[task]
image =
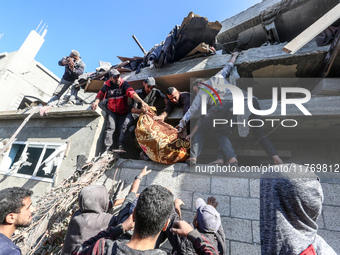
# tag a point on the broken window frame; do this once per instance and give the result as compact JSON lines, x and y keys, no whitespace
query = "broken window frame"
{"x":44,"y":146}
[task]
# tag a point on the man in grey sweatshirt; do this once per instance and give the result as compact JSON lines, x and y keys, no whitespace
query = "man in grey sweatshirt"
{"x":290,"y":204}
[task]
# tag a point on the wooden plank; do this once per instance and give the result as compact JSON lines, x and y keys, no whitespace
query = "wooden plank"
{"x":123,"y":59}
{"x":94,"y":85}
{"x":202,"y":47}
{"x":331,"y":55}
{"x":311,"y":32}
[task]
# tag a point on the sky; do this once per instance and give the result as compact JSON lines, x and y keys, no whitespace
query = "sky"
{"x":101,"y":30}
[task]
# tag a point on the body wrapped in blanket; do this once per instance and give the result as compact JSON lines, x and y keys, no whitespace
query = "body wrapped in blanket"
{"x":160,"y":141}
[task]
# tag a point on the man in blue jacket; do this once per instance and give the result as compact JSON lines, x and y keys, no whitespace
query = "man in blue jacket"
{"x":15,"y":211}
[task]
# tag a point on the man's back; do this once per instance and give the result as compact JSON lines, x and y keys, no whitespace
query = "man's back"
{"x":119,"y":247}
{"x":7,"y":247}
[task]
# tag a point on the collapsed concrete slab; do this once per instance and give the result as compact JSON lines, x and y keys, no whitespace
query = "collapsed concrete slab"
{"x":271,"y":20}
{"x":263,"y":62}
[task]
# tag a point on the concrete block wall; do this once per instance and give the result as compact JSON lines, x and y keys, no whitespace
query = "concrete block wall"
{"x":238,"y":198}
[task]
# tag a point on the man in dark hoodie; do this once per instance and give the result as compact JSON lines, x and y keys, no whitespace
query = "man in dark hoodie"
{"x":151,"y":215}
{"x":290,"y":204}
{"x":91,"y":218}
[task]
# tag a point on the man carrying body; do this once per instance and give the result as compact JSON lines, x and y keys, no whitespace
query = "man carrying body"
{"x":176,"y":99}
{"x":15,"y":211}
{"x":115,"y":92}
{"x":150,"y":95}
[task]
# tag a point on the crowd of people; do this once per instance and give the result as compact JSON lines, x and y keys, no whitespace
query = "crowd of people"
{"x":290,"y":205}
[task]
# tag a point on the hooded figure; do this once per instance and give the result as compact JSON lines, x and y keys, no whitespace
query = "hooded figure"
{"x":290,"y":204}
{"x":90,"y":219}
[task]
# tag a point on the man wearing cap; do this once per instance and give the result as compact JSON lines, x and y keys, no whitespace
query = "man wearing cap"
{"x":208,"y":223}
{"x":150,"y":94}
{"x":115,"y":92}
{"x":74,"y":67}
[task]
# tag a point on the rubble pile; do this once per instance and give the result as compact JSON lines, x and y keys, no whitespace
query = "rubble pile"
{"x":54,"y":209}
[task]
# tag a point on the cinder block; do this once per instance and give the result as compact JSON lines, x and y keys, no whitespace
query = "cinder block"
{"x":332,"y":238}
{"x":331,"y":193}
{"x":223,"y":202}
{"x":320,"y":222}
{"x":245,"y":208}
{"x":230,"y":186}
{"x":237,"y":248}
{"x":256,"y":232}
{"x":128,"y":175}
{"x":188,"y":216}
{"x":194,"y":182}
{"x":237,"y":229}
{"x":164,"y":178}
{"x":227,"y":245}
{"x":124,"y":191}
{"x":186,"y":197}
{"x":255,"y":188}
{"x":331,"y":217}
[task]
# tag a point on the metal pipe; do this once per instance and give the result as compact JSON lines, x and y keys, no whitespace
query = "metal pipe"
{"x":140,"y":46}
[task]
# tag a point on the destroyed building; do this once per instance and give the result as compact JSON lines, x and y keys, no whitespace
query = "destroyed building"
{"x":261,"y":32}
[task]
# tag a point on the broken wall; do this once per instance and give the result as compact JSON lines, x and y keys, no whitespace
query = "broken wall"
{"x":83,"y":135}
{"x":37,"y":81}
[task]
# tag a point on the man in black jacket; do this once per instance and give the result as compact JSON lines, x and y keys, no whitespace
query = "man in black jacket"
{"x":74,"y":67}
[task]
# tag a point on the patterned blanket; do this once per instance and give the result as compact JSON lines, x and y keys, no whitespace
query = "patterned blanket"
{"x":160,"y":141}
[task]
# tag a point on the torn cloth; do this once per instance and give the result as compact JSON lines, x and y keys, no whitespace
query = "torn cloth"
{"x":160,"y":141}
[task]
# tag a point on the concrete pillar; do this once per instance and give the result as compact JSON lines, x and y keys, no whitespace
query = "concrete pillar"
{"x":27,"y":52}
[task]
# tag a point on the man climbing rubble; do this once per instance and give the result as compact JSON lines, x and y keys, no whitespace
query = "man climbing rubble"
{"x":257,"y":132}
{"x":115,"y":93}
{"x":151,"y":95}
